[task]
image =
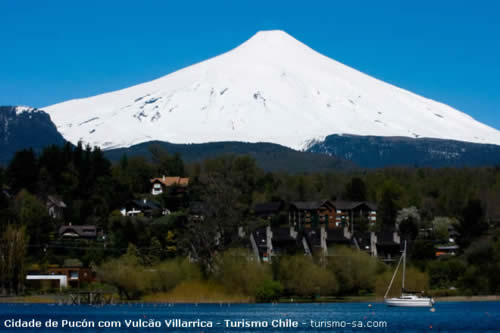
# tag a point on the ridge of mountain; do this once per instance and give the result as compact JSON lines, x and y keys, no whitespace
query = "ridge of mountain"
{"x":23,"y":127}
{"x":268,"y":156}
{"x":378,"y":152}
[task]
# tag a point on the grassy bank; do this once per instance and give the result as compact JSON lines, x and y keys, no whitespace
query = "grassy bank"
{"x":197,"y":292}
{"x":33,"y":299}
{"x":344,"y":299}
{"x":486,"y":298}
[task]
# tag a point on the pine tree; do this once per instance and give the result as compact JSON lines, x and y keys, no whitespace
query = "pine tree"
{"x":155,"y":253}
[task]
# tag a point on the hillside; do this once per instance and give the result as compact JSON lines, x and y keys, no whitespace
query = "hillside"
{"x":25,"y":127}
{"x":377,"y":152}
{"x":270,"y":157}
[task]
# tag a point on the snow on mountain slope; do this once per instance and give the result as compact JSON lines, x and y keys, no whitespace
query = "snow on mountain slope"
{"x":272,"y":88}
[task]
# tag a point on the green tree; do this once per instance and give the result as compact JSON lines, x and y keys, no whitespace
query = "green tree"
{"x":155,"y":251}
{"x":446,"y":273}
{"x":126,"y":273}
{"x":355,"y":190}
{"x":13,"y":245}
{"x":389,"y":204}
{"x":423,"y":249}
{"x":225,"y":184}
{"x":441,"y":228}
{"x":472,"y":223}
{"x":170,"y":273}
{"x":416,"y":280}
{"x":133,"y":175}
{"x":474,"y":282}
{"x":240,"y":272}
{"x":355,"y":270}
{"x":408,"y":222}
{"x":34,"y":215}
{"x":169,"y":165}
{"x":22,"y":171}
{"x":302,"y":277}
{"x":268,"y":291}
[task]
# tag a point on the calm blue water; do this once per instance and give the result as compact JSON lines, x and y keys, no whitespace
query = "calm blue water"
{"x":448,"y":317}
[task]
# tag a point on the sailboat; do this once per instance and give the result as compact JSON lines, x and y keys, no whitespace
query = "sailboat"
{"x":406,"y":299}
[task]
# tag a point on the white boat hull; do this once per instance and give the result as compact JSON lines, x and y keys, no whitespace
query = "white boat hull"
{"x":406,"y":299}
{"x":414,"y":302}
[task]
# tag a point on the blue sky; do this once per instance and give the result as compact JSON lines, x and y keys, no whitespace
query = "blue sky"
{"x":53,"y":51}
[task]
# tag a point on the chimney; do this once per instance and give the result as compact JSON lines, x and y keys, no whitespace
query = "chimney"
{"x":163,"y":177}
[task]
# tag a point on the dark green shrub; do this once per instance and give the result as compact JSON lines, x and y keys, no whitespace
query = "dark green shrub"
{"x":268,"y":291}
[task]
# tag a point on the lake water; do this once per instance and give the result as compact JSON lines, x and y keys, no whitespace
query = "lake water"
{"x":336,"y":317}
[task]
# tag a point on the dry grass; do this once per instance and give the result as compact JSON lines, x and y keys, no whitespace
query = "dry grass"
{"x":197,"y":292}
{"x":44,"y":299}
{"x":415,"y":280}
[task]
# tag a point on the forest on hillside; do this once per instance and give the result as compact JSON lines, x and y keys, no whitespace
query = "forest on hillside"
{"x":144,"y":256}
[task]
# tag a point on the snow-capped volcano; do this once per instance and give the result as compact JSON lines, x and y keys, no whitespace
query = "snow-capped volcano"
{"x":271,"y":88}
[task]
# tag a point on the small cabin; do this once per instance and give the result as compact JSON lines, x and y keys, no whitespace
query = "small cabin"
{"x":143,"y":207}
{"x":78,"y":231}
{"x":160,"y":185}
{"x":55,"y":206}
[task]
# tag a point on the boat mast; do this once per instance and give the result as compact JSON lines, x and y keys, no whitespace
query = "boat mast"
{"x":404,"y":268}
{"x":393,"y":276}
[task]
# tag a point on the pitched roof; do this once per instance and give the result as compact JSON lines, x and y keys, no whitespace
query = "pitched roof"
{"x":447,"y":247}
{"x":348,"y":205}
{"x":72,"y":262}
{"x":171,"y":181}
{"x":344,"y":204}
{"x":78,"y":231}
{"x":268,"y":207}
{"x":56,"y":201}
{"x":309,"y":205}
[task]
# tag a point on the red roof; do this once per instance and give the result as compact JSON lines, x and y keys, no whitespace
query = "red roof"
{"x":171,"y":181}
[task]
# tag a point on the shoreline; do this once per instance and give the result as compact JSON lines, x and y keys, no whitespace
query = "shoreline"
{"x":58,"y":299}
{"x":487,"y":298}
